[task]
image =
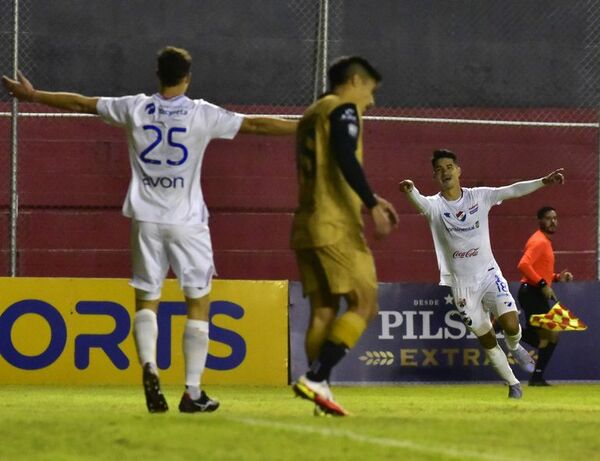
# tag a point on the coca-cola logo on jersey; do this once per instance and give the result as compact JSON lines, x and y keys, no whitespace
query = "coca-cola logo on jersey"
{"x":466,"y":254}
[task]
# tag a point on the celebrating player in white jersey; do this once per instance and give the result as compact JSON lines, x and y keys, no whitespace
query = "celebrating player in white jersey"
{"x":458,"y":218}
{"x":167,"y":135}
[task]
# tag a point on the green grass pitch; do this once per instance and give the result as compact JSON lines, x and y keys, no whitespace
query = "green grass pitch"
{"x":415,"y":422}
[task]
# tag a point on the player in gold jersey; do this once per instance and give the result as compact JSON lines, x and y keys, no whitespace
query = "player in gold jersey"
{"x":327,"y":233}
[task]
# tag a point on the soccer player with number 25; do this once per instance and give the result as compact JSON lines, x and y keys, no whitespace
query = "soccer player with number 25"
{"x":167,"y":134}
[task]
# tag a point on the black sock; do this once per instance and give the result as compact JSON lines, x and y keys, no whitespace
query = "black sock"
{"x":544,"y":355}
{"x":530,"y":336}
{"x":329,"y":356}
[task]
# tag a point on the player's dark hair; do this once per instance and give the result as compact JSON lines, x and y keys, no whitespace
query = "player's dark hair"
{"x":443,"y":153}
{"x":542,"y":211}
{"x":173,"y":65}
{"x":345,"y":67}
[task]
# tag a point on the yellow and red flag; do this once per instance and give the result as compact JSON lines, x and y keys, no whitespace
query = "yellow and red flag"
{"x":559,"y":318}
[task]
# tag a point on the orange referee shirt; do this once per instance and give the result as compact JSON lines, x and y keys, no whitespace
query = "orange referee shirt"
{"x":537,"y":261}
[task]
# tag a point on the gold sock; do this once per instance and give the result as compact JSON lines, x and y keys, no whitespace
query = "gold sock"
{"x":347,"y":329}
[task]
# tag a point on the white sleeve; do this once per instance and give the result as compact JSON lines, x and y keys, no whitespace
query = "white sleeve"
{"x":421,"y":203}
{"x":115,"y":110}
{"x":496,"y":195}
{"x":222,"y":123}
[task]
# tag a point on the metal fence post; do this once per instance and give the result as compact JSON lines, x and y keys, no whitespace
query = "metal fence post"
{"x":14,"y":197}
{"x":322,"y":49}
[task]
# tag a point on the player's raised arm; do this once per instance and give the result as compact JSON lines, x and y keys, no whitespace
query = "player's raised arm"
{"x":413,"y":195}
{"x":521,"y":188}
{"x":556,"y":177}
{"x":406,"y":185}
{"x":23,"y":90}
{"x":268,"y":126}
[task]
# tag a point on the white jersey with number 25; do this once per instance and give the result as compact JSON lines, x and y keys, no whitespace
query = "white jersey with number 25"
{"x":167,"y":139}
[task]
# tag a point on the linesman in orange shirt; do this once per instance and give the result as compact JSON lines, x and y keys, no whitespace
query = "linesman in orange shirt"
{"x":537,"y":275}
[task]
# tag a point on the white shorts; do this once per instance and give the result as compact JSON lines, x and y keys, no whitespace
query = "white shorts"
{"x":475,"y":304}
{"x":187,"y":249}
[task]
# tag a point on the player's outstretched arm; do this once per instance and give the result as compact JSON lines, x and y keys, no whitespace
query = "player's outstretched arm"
{"x":406,"y":186}
{"x":556,"y":177}
{"x":268,"y":126}
{"x":23,"y":90}
{"x":519,"y":189}
{"x":420,"y":203}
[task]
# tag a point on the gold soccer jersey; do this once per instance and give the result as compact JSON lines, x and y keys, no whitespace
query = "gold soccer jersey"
{"x":329,"y":209}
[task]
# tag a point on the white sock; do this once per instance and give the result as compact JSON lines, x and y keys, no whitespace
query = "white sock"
{"x":512,"y":342}
{"x":145,"y":331}
{"x":500,"y":363}
{"x":195,"y":351}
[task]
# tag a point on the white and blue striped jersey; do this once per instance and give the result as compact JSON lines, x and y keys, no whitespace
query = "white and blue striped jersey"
{"x":167,"y":139}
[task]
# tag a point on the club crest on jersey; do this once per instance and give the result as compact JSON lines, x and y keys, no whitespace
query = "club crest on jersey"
{"x":150,"y":108}
{"x":474,"y":209}
{"x":349,"y":114}
{"x":461,"y":216}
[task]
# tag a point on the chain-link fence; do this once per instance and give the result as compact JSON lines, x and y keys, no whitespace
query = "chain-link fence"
{"x":6,"y":61}
{"x":512,"y":86}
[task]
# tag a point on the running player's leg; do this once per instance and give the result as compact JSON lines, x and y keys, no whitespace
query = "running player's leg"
{"x":350,"y":273}
{"x":344,"y":269}
{"x":470,"y":307}
{"x":499,"y":362}
{"x":509,"y":322}
{"x":323,"y":311}
{"x":190,"y":255}
{"x":323,"y":306}
{"x":150,"y":267}
{"x":501,"y":304}
{"x":145,"y":328}
{"x":195,"y":352}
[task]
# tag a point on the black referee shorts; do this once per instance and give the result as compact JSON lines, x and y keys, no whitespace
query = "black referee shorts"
{"x":532,"y":301}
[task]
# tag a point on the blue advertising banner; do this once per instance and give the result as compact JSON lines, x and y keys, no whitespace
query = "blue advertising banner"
{"x":419,"y":337}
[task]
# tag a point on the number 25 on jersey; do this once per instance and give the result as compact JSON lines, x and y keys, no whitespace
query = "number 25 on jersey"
{"x":171,"y":133}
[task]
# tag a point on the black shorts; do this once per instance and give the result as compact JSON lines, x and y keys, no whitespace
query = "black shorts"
{"x":532,"y":301}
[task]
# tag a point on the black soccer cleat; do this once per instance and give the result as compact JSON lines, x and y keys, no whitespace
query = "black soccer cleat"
{"x":155,"y":400}
{"x":204,"y":404}
{"x":515,"y":391}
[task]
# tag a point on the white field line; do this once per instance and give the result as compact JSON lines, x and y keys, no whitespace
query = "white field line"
{"x":326,"y":432}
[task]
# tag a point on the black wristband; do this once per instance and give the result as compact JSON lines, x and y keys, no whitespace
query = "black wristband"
{"x":542,"y":283}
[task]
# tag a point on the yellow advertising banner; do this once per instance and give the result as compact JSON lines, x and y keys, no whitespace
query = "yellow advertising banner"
{"x":78,"y":331}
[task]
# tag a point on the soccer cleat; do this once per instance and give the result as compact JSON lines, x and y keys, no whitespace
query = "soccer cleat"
{"x":155,"y":400}
{"x":320,"y":394}
{"x":523,"y":359}
{"x":204,"y":404}
{"x":515,"y":391}
{"x":538,"y":382}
